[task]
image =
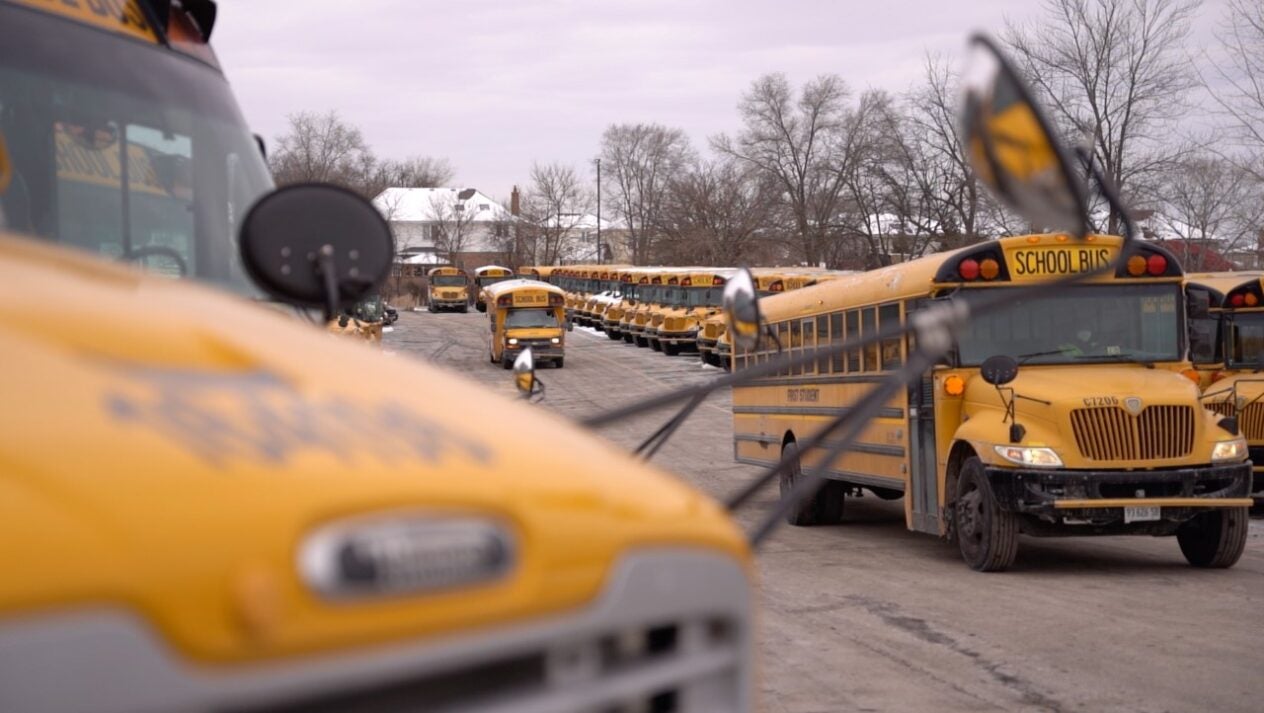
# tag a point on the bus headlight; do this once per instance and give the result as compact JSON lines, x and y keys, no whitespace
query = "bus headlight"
{"x":1025,"y":455}
{"x":556,"y":340}
{"x":1229,"y":450}
{"x":512,"y":341}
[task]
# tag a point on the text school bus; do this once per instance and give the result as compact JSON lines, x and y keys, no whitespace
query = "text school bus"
{"x":485,"y":277}
{"x":1088,"y":438}
{"x":449,"y":288}
{"x":241,"y":513}
{"x":524,"y":314}
{"x":1231,"y":353}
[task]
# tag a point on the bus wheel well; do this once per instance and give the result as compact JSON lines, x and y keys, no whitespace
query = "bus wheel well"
{"x":787,"y":439}
{"x":960,"y":453}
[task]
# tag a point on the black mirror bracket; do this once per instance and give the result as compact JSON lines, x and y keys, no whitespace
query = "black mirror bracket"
{"x":325,"y":265}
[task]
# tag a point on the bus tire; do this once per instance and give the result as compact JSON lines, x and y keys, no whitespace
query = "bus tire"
{"x":627,"y":337}
{"x":656,"y":345}
{"x":887,"y":493}
{"x":987,"y":536}
{"x":559,"y":362}
{"x":1214,"y":539}
{"x":642,"y":342}
{"x":505,"y":363}
{"x":430,"y":309}
{"x":825,"y":508}
{"x":464,"y":308}
{"x":481,"y":307}
{"x":614,"y":336}
{"x":671,"y":349}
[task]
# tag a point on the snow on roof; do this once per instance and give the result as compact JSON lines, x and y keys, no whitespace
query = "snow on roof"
{"x":584,"y":222}
{"x":421,"y":205}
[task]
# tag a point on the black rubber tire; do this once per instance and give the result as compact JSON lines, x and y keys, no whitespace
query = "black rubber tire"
{"x":481,"y":307}
{"x":656,"y":345}
{"x":671,"y":349}
{"x":465,"y":308}
{"x":886,"y":493}
{"x":559,"y":362}
{"x":987,"y":536}
{"x":642,"y":342}
{"x":826,"y":508}
{"x":505,"y":363}
{"x":1214,"y":539}
{"x":614,"y":336}
{"x":430,"y":309}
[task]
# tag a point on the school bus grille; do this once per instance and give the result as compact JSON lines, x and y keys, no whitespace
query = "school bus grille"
{"x":1224,"y":408}
{"x":1252,"y":425}
{"x":1111,"y":433}
{"x":712,"y":330}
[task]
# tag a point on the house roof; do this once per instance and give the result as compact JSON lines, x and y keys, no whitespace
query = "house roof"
{"x":422,"y":205}
{"x":1199,"y":255}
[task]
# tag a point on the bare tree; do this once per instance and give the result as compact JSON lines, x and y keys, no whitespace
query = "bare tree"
{"x":553,"y":210}
{"x":1116,"y":69}
{"x":718,"y":213}
{"x":801,"y":142}
{"x":326,"y":148}
{"x":1209,"y":201}
{"x":1240,"y":72}
{"x":320,"y":147}
{"x":642,"y":159}
{"x":451,"y":227}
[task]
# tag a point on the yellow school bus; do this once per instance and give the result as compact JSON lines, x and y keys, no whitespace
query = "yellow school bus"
{"x":522,"y":314}
{"x":715,"y":347}
{"x":662,"y":283}
{"x":640,"y":291}
{"x":1227,"y":345}
{"x":605,"y":293}
{"x":486,"y":276}
{"x":612,"y":318}
{"x":209,"y":504}
{"x":448,"y":289}
{"x":1089,"y":438}
{"x":698,"y":296}
{"x":364,"y":321}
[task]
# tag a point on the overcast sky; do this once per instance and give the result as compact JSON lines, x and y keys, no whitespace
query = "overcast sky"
{"x":493,"y":86}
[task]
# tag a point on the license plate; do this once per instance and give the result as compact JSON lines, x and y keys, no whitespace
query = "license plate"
{"x":1141,"y":514}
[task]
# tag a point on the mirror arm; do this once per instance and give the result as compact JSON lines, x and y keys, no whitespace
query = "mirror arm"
{"x":667,"y":430}
{"x":325,"y":263}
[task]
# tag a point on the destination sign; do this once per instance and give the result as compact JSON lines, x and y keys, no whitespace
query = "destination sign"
{"x":125,"y":16}
{"x":1060,"y":260}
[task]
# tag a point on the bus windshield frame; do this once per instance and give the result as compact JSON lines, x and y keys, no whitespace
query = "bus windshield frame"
{"x":82,"y":108}
{"x":1085,"y":324}
{"x":1236,"y":355}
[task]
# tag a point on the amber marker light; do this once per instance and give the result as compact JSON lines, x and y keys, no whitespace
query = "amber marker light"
{"x":954,"y":385}
{"x":1251,"y":300}
{"x":1191,"y":375}
{"x":989,"y":269}
{"x":1136,"y":266}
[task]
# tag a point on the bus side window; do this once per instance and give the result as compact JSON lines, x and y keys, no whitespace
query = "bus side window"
{"x":796,"y":345}
{"x":783,"y":333}
{"x":822,"y":339}
{"x":853,"y":332}
{"x":809,"y":342}
{"x":889,"y":319}
{"x":837,"y":337}
{"x":868,"y":326}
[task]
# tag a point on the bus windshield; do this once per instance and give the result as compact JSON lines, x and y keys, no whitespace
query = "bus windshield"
{"x":491,"y":280}
{"x":448,"y":280}
{"x":78,"y":129}
{"x":704,"y":296}
{"x":1246,"y":347}
{"x":531,"y":317}
{"x":1092,"y":323}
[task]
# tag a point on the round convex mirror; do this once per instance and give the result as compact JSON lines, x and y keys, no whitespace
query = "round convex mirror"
{"x":999,"y":370}
{"x":1012,"y":148}
{"x":741,"y":310}
{"x":524,"y":372}
{"x":289,"y":233}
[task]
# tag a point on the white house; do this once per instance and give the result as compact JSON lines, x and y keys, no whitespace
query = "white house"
{"x":443,"y":225}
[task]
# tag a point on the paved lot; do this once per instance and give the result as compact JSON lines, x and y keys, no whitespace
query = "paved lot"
{"x":867,"y":616}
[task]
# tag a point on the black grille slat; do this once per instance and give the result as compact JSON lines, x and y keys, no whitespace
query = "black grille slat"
{"x":1109,"y":433}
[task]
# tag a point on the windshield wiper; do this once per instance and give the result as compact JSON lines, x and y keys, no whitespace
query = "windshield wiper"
{"x":1022,"y":358}
{"x":1129,"y":358}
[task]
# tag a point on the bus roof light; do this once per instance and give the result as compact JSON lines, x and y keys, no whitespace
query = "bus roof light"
{"x":1237,"y":300}
{"x":989,"y":269}
{"x":1156,"y":265}
{"x":1137,"y":265}
{"x":1251,"y":300}
{"x":968,"y":269}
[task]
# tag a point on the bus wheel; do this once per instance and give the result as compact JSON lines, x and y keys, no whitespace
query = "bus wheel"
{"x":614,"y":335}
{"x":430,"y":309}
{"x":671,"y":349}
{"x":986,"y":535}
{"x":826,"y":508}
{"x":1214,"y":539}
{"x":505,"y":362}
{"x":558,"y":362}
{"x":642,"y":342}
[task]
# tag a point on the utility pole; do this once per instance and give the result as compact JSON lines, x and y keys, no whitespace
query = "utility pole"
{"x":599,"y":261}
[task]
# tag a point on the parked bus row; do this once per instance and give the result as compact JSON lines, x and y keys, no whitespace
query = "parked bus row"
{"x":672,"y":310}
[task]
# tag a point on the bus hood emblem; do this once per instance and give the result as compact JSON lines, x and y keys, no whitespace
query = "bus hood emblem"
{"x":403,"y":555}
{"x":1133,"y":405}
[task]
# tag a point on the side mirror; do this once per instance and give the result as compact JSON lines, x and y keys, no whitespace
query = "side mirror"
{"x":1198,"y":303}
{"x":316,"y":245}
{"x":999,"y":370}
{"x":524,"y":373}
{"x":741,"y":310}
{"x":1011,"y":147}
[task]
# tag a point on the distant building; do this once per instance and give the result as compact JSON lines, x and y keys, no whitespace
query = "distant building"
{"x":444,"y":226}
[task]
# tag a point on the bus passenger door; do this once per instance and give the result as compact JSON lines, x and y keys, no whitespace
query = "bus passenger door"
{"x":922,"y":493}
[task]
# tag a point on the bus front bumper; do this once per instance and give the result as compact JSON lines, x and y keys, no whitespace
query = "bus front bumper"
{"x":612,"y":326}
{"x":538,"y":351}
{"x":685,"y":338}
{"x":449,"y":301}
{"x":1100,"y":497}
